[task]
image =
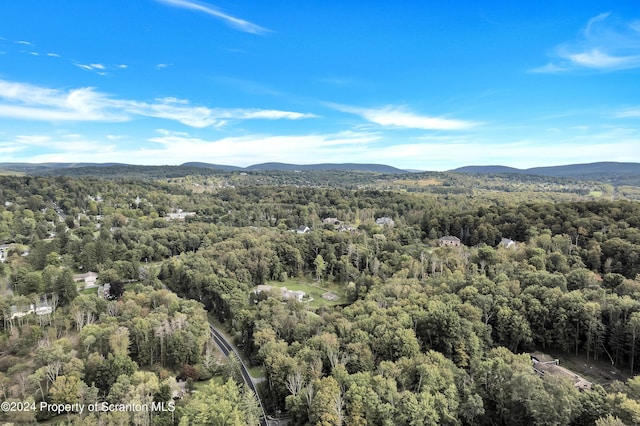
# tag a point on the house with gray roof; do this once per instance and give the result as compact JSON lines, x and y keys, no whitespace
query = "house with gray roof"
{"x":449,"y":241}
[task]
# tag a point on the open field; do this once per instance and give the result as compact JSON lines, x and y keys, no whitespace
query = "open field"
{"x":599,"y":372}
{"x":417,"y":182}
{"x":313,"y":290}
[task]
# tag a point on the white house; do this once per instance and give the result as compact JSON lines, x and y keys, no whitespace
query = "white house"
{"x":4,"y":252}
{"x":508,"y":243}
{"x":449,"y":241}
{"x":179,"y":215}
{"x":385,"y":221}
{"x":103,"y":291}
{"x":42,"y":308}
{"x":284,"y":292}
{"x":88,"y":278}
{"x":302,"y":229}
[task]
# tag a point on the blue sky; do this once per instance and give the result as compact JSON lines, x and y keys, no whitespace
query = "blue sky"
{"x":413,"y":84}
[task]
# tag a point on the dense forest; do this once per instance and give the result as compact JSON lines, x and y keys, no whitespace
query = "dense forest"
{"x":423,"y":330}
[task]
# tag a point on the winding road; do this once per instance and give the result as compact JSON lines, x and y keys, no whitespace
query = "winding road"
{"x":228,"y":349}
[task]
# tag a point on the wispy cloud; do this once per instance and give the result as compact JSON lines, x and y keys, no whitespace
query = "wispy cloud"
{"x":8,"y":148}
{"x":98,"y":68}
{"x":428,"y":153}
{"x":237,"y":23}
{"x":267,"y":114}
{"x":62,"y":145}
{"x":29,"y":102}
{"x":251,"y":149}
{"x":629,"y":113}
{"x":170,"y":147}
{"x":605,"y":44}
{"x":199,"y":116}
{"x":398,"y":117}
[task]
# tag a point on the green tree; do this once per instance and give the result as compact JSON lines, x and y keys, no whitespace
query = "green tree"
{"x":320,"y":266}
{"x":234,"y":406}
{"x":327,"y":405}
{"x":65,"y":288}
{"x":67,"y":390}
{"x":634,"y":330}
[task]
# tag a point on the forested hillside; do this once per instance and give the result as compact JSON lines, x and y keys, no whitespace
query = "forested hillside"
{"x":397,"y":325}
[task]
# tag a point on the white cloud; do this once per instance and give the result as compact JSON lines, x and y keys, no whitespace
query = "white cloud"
{"x":38,"y":140}
{"x":597,"y":59}
{"x":429,"y":152}
{"x":629,"y":113}
{"x":198,"y":116}
{"x":397,"y":117}
{"x":337,"y":147}
{"x":170,"y":147}
{"x":115,"y":137}
{"x":64,"y":144}
{"x":605,"y":44}
{"x":98,"y":68}
{"x":29,"y":102}
{"x":8,"y":148}
{"x":523,"y":153}
{"x":237,"y":23}
{"x":266,"y":114}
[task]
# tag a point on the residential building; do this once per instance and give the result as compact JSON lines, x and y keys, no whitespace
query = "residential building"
{"x":284,"y":292}
{"x":449,"y":241}
{"x":88,"y":278}
{"x":179,"y":215}
{"x":103,"y":291}
{"x":303,"y":229}
{"x":385,"y":221}
{"x":41,"y":308}
{"x":544,"y":364}
{"x":508,"y":244}
{"x":4,"y":252}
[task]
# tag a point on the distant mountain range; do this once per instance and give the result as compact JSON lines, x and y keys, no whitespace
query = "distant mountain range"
{"x":30,"y":168}
{"x":40,"y":167}
{"x":378,"y":168}
{"x":572,"y":170}
{"x":601,"y":170}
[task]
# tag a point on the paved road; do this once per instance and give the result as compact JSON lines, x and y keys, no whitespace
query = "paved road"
{"x":58,"y":210}
{"x":227,"y":349}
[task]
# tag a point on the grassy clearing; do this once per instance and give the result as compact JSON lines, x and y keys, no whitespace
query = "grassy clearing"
{"x":417,"y":182}
{"x":257,"y":372}
{"x":313,"y":290}
{"x":600,"y":372}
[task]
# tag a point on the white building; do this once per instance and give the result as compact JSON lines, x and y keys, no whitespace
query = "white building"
{"x":284,"y":292}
